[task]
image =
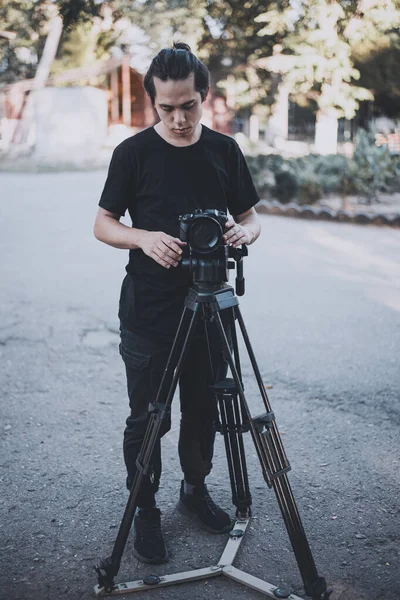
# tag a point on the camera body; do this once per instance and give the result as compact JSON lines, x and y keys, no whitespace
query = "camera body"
{"x":206,"y":254}
{"x":203,"y":230}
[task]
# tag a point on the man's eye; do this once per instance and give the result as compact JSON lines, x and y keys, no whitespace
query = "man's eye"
{"x":188,"y":107}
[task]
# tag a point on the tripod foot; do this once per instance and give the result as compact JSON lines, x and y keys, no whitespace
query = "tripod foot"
{"x":106,"y":572}
{"x":282,"y":593}
{"x":317,"y":589}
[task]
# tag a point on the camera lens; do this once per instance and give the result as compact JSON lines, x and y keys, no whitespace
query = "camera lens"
{"x":204,"y":235}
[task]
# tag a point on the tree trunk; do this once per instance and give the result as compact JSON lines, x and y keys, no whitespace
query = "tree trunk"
{"x":326,"y":132}
{"x":49,"y":52}
{"x":278,"y":122}
{"x":345,"y":202}
{"x":25,"y":132}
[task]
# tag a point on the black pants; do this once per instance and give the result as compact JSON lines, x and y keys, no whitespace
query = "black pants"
{"x":145,"y":362}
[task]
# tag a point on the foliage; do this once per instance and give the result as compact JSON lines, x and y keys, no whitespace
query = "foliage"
{"x":232,"y":43}
{"x":28,"y":20}
{"x":333,"y":52}
{"x":379,"y":64}
{"x":375,"y":167}
{"x":375,"y":50}
{"x":74,"y":12}
{"x":165,"y":21}
{"x":286,"y":186}
{"x":91,"y":29}
{"x":315,"y":55}
{"x":371,"y":171}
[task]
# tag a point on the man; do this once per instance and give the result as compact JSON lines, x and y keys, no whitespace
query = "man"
{"x":165,"y":171}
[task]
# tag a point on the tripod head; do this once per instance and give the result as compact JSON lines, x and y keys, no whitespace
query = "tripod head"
{"x":206,"y":255}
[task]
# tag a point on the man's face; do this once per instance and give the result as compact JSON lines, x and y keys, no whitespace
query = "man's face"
{"x":178,"y":105}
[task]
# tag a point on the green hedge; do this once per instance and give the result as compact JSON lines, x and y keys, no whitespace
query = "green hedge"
{"x":306,"y":179}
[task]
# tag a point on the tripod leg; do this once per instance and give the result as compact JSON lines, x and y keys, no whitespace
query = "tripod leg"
{"x":275,"y":466}
{"x":232,"y":431}
{"x":109,"y":567}
{"x":231,"y":425}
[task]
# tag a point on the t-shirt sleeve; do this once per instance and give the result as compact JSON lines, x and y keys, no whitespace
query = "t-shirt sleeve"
{"x":242,"y":193}
{"x":119,"y":191}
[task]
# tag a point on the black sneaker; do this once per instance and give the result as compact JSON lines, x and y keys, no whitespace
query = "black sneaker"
{"x":149,"y":546}
{"x":200,"y":507}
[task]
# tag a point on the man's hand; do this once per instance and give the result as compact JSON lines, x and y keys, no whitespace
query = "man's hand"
{"x":236,"y":234}
{"x":161,"y":247}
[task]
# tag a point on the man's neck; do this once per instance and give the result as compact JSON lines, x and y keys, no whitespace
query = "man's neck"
{"x":176,"y":141}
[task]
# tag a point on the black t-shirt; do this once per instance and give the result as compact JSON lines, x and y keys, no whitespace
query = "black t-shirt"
{"x":157,"y":182}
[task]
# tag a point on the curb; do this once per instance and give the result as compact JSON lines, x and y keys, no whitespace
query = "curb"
{"x":306,"y":211}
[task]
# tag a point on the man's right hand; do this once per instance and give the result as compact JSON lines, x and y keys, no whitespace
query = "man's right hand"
{"x":161,"y":247}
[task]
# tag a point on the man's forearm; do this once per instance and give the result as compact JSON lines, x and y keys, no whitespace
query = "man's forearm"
{"x":116,"y":234}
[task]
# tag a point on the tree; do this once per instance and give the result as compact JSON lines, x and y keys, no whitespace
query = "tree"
{"x":232,"y":45}
{"x":88,"y":31}
{"x":28,"y":20}
{"x":320,"y":37}
{"x":376,"y":53}
{"x":379,"y":65}
{"x":319,"y":67}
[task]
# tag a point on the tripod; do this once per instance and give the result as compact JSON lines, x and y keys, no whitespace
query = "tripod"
{"x":207,"y":301}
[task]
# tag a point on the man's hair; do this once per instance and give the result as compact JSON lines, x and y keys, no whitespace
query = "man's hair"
{"x":177,"y":63}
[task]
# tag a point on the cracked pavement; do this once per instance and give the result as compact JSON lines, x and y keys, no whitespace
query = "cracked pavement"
{"x":322,"y":309}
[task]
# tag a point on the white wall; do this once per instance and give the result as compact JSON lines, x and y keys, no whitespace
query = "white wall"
{"x":71,"y":125}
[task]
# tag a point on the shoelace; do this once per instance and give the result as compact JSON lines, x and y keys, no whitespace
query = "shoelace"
{"x":152,"y":527}
{"x":210,"y":502}
{"x":152,"y":537}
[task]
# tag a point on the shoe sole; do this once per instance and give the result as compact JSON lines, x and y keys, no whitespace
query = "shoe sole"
{"x":196,"y":519}
{"x":150,"y":561}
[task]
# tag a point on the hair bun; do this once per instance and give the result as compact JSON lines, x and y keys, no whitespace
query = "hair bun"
{"x":181,"y":46}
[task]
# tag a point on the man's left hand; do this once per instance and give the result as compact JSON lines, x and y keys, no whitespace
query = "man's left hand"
{"x":236,"y":234}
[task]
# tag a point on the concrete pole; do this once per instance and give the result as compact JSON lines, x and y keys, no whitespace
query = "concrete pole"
{"x":114,"y":97}
{"x":278,"y":122}
{"x":126,"y":91}
{"x":326,"y":132}
{"x":231,"y":92}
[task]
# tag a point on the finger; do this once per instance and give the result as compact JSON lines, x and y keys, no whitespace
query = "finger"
{"x":164,"y":259}
{"x":229,"y":233}
{"x":234,"y":240}
{"x":172,"y":249}
{"x":161,"y":262}
{"x":178,"y":241}
{"x":229,"y":224}
{"x":233,"y":234}
{"x":168,"y":239}
{"x":174,"y":243}
{"x":159,"y":258}
{"x":240,"y":241}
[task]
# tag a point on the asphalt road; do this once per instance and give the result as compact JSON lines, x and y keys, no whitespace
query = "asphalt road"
{"x":323,"y":312}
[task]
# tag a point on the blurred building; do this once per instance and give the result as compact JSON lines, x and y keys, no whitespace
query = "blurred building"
{"x":66,"y":117}
{"x":124,"y":99}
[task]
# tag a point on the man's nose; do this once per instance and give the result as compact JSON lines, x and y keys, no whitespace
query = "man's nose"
{"x":179,"y":116}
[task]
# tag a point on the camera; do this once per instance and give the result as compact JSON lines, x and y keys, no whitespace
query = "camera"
{"x":206,"y":254}
{"x":203,"y":230}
